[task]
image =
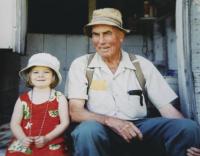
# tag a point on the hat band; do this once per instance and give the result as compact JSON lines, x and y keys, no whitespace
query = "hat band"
{"x":108,"y":19}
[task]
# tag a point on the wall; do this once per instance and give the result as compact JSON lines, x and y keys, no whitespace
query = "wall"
{"x":13,"y":16}
{"x":6,"y":16}
{"x":195,"y":54}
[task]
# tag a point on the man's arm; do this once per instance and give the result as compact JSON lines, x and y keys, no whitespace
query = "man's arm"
{"x":78,"y":113}
{"x":169,"y":111}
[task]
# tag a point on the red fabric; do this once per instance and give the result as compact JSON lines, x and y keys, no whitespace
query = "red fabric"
{"x":50,"y":123}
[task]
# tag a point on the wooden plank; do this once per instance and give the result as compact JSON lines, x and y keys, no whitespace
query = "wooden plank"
{"x":91,"y":7}
{"x":77,"y":45}
{"x":195,"y":65}
{"x":187,"y":97}
{"x":160,"y":51}
{"x":171,"y":45}
{"x":34,"y":43}
{"x":56,"y":45}
{"x":195,"y":49}
{"x":195,"y":40}
{"x":134,"y":44}
{"x":196,"y":74}
{"x":195,"y":11}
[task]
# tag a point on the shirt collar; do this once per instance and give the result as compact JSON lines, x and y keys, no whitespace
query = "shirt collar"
{"x":125,"y":62}
{"x":96,"y":61}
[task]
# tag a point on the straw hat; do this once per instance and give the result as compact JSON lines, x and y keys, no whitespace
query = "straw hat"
{"x":42,"y":59}
{"x":107,"y":16}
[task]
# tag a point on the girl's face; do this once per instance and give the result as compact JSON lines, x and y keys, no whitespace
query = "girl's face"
{"x":41,"y":77}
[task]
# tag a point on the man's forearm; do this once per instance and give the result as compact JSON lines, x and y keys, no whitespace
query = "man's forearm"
{"x":84,"y":115}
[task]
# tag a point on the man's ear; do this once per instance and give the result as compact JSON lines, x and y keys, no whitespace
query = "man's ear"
{"x":122,"y":35}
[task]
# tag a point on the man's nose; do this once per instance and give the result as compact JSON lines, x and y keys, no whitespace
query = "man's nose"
{"x":101,"y":39}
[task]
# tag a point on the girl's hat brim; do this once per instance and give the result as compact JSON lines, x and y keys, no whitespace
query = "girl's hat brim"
{"x":42,"y":59}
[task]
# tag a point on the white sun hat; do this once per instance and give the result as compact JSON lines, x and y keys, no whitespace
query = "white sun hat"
{"x":107,"y":16}
{"x":42,"y":59}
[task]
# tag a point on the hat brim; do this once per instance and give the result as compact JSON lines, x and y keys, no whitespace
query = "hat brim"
{"x":23,"y":72}
{"x":88,"y":28}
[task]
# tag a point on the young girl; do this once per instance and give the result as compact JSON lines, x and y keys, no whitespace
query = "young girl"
{"x":40,"y":115}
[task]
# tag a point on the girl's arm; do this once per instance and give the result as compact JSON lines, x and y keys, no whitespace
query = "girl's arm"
{"x":64,"y":118}
{"x":40,"y":141}
{"x":15,"y":124}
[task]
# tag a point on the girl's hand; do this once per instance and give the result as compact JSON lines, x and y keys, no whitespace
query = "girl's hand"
{"x":40,"y":141}
{"x":27,"y":141}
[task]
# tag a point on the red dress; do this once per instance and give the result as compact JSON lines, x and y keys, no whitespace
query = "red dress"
{"x":32,"y":126}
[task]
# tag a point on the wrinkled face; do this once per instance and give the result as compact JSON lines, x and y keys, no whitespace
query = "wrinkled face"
{"x":107,"y":40}
{"x":41,"y":77}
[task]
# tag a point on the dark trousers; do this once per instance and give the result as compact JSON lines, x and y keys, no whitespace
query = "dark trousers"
{"x":161,"y":136}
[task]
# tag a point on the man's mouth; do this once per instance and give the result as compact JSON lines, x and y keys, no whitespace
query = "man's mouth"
{"x":104,"y":49}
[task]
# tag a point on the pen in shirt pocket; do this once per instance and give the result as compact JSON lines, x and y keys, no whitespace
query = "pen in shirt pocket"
{"x":138,"y":93}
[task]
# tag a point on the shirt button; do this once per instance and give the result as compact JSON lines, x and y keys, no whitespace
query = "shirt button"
{"x":115,"y":94}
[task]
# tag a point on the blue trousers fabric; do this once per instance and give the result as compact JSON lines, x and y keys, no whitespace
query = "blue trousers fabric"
{"x":172,"y":136}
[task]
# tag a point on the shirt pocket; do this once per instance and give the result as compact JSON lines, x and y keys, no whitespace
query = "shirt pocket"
{"x":133,"y":108}
{"x":99,"y":85}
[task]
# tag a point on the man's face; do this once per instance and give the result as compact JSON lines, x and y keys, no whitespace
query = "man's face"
{"x":107,"y":40}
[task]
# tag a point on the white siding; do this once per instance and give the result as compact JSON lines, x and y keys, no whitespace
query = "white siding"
{"x":195,"y":52}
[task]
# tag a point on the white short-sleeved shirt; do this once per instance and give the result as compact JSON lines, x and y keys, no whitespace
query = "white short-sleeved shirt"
{"x":108,"y":93}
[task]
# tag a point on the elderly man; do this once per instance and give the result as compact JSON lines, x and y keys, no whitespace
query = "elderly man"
{"x":112,"y":110}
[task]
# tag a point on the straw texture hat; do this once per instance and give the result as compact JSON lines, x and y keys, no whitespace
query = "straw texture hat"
{"x":107,"y":16}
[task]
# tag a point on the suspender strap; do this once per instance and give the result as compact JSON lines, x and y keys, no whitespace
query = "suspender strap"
{"x":89,"y":71}
{"x":138,"y":71}
{"x":140,"y":76}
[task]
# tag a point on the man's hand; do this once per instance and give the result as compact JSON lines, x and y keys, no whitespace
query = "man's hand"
{"x":193,"y":151}
{"x":125,"y":129}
